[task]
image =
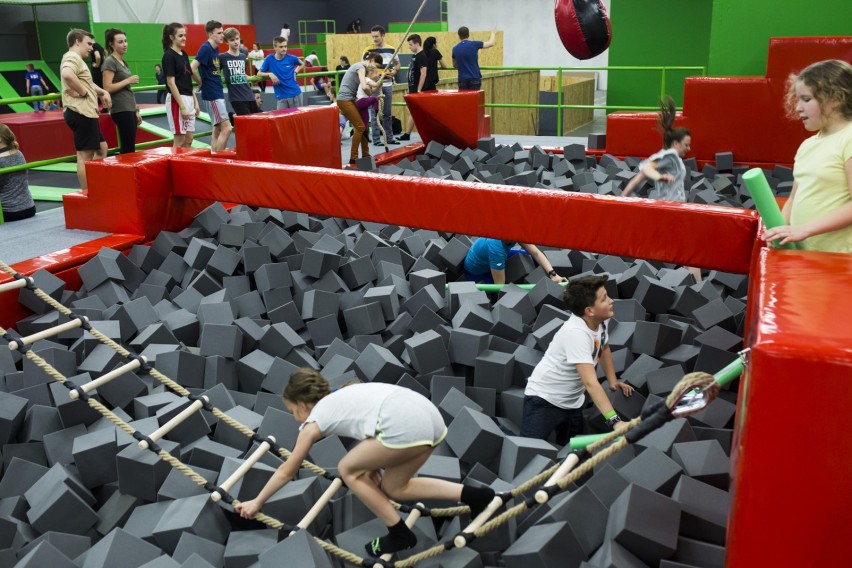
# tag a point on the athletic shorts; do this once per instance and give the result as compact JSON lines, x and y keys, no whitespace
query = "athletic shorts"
{"x":87,"y":131}
{"x":218,"y":112}
{"x":244,"y":107}
{"x":179,"y":124}
{"x":407,"y":419}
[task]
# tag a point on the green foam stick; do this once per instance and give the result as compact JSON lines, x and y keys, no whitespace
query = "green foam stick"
{"x":765,"y":202}
{"x":730,"y":372}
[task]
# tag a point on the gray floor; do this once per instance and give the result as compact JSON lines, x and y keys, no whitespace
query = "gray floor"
{"x":43,"y":234}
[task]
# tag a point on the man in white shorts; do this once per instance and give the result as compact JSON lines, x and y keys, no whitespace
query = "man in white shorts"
{"x":207,"y":63}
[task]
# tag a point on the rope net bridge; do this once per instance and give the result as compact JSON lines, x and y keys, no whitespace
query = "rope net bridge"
{"x":692,"y":394}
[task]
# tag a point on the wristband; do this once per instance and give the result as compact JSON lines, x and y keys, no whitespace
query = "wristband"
{"x":552,"y":273}
{"x":656,"y":176}
{"x":611,"y":422}
{"x":609,"y":414}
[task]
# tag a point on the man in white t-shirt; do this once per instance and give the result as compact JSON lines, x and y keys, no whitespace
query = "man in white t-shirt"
{"x":556,"y":390}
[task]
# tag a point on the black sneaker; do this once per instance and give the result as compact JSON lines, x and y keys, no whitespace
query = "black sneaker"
{"x":393,"y":141}
{"x":405,"y":136}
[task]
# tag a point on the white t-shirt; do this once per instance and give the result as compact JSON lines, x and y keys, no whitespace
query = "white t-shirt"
{"x":312,"y":60}
{"x":555,"y":378}
{"x":285,"y":33}
{"x":352,"y":411}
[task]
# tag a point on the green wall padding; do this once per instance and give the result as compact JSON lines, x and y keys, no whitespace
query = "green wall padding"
{"x":418,"y":28}
{"x":656,"y":32}
{"x":741,"y":29}
{"x":52,"y":42}
{"x":144,"y":47}
{"x":321,"y":53}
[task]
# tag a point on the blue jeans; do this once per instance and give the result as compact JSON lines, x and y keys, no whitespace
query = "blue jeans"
{"x":470,"y":84}
{"x":541,"y":418}
{"x":387,"y":93}
{"x":36,"y":91}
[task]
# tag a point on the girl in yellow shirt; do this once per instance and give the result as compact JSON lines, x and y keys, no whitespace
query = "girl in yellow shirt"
{"x":819,"y":211}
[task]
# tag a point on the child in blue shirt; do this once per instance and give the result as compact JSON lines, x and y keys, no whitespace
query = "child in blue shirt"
{"x":281,"y":68}
{"x":35,"y":82}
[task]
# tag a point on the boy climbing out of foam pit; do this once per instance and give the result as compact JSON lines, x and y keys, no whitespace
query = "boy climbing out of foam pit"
{"x":486,"y":260}
{"x":556,"y":390}
{"x":397,"y":430}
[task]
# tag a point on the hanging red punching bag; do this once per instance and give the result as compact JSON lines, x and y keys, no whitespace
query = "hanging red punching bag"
{"x":583,"y":27}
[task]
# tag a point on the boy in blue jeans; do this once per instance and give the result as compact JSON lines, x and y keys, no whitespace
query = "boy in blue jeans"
{"x":281,"y":68}
{"x":35,"y":82}
{"x":556,"y":390}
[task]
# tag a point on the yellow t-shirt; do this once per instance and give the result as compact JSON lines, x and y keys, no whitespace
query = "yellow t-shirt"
{"x":822,"y":187}
{"x":88,"y":105}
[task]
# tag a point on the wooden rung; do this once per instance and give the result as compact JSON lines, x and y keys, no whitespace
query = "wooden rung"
{"x":44,"y":334}
{"x":171,"y":424}
{"x":244,"y":468}
{"x":14,"y":285}
{"x":460,"y":541}
{"x":104,"y":379}
{"x":319,"y":505}
{"x":410,"y":521}
{"x":568,"y":464}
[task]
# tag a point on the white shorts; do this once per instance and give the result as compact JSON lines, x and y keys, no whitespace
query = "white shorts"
{"x":179,"y":124}
{"x":218,"y":112}
{"x":407,"y":419}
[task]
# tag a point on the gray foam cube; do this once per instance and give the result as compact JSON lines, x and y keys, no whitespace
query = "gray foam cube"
{"x":475,"y":438}
{"x":654,"y":470}
{"x":427,"y":352}
{"x":302,"y":546}
{"x":245,"y":547}
{"x":645,"y":523}
{"x":141,"y":472}
{"x":43,"y":554}
{"x":493,"y":369}
{"x":223,"y":340}
{"x":544,"y":546}
{"x":691,"y":552}
{"x":118,"y":548}
{"x":377,"y":363}
{"x":705,"y":461}
{"x":517,"y":453}
{"x":364,"y":319}
{"x":115,"y":512}
{"x":95,"y":456}
{"x":191,"y":545}
{"x":197,"y":515}
{"x":704,"y":510}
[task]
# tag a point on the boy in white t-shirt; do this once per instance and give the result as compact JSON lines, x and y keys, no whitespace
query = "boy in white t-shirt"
{"x":555,"y":393}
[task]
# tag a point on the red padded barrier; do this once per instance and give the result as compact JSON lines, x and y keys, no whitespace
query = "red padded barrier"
{"x":305,"y":136}
{"x":44,"y":135}
{"x":450,"y":117}
{"x":139,"y":186}
{"x":743,"y":115}
{"x":62,"y":263}
{"x":792,"y":461}
{"x":611,"y":225}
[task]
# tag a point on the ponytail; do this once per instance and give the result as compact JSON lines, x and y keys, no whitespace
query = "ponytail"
{"x":666,"y":121}
{"x":7,"y":137}
{"x":168,"y":31}
{"x":109,"y":38}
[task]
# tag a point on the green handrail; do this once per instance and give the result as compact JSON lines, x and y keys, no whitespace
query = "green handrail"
{"x":111,"y":152}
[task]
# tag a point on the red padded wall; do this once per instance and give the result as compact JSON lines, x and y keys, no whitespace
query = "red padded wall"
{"x":612,"y":225}
{"x":743,"y":115}
{"x":792,"y":459}
{"x":306,"y":136}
